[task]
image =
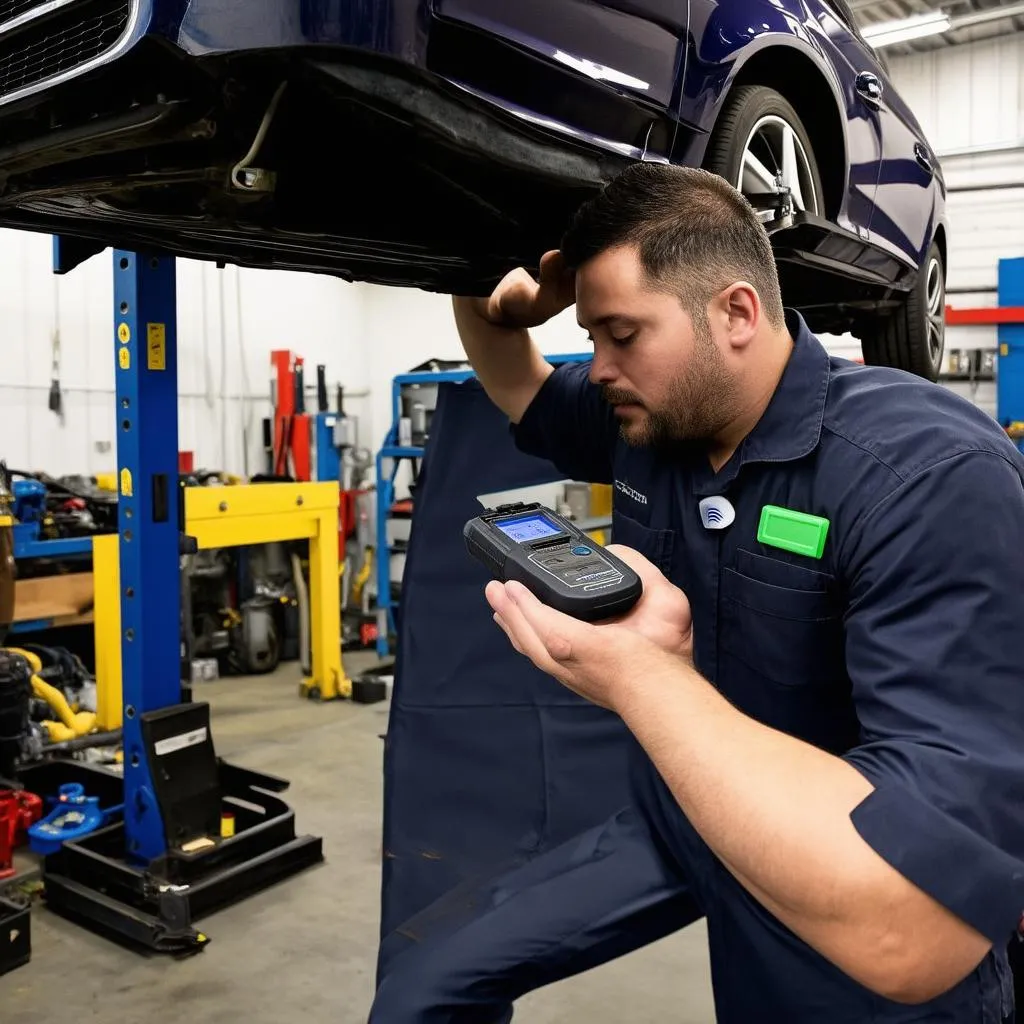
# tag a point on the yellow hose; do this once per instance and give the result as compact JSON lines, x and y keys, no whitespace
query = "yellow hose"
{"x":71,"y":725}
{"x":356,"y":594}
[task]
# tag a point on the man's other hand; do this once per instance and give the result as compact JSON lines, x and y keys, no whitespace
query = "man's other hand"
{"x":520,"y":302}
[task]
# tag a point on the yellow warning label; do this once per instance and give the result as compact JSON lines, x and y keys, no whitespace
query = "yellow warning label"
{"x":124,"y":358}
{"x":1004,"y":350}
{"x":126,"y":483}
{"x":124,"y":334}
{"x":156,"y":347}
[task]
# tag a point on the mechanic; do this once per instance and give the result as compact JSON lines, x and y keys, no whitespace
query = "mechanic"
{"x":830,"y":737}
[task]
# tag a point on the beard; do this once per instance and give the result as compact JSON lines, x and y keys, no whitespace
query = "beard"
{"x":700,"y":403}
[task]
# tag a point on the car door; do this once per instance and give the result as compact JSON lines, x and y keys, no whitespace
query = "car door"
{"x":634,"y":47}
{"x":901,"y":215}
{"x":833,"y":23}
{"x":904,"y":214}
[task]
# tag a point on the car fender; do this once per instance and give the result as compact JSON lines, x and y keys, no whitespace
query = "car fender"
{"x":725,"y":42}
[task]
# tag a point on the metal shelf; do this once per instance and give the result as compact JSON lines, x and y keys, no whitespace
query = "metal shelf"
{"x":63,"y":547}
{"x":389,"y":458}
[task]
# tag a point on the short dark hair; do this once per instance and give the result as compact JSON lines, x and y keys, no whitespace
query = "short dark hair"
{"x":695,"y":234}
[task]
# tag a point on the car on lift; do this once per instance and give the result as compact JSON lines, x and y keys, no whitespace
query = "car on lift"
{"x":438,"y":143}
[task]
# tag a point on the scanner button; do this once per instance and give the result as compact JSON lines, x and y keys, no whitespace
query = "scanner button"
{"x":580,"y":549}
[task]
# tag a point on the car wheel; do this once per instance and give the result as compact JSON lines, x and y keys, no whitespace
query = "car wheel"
{"x":759,"y":145}
{"x":913,"y":337}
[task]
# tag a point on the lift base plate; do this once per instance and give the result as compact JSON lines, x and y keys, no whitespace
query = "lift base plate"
{"x":153,"y":908}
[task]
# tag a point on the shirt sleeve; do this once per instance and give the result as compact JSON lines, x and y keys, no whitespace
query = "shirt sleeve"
{"x":569,"y":424}
{"x":935,"y":650}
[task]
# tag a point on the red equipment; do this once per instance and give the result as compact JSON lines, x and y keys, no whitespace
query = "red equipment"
{"x":291,"y":423}
{"x":18,"y":810}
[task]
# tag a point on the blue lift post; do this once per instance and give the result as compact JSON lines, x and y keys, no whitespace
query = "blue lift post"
{"x":147,"y":877}
{"x":148,"y":518}
{"x":1010,"y":374}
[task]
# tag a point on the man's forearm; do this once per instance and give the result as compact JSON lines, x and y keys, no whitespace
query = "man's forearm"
{"x":507,"y":363}
{"x":776,"y":811}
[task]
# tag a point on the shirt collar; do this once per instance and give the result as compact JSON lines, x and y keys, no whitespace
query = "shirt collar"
{"x":790,"y":427}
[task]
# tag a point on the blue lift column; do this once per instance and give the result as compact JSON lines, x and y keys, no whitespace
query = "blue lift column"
{"x":1010,"y":374}
{"x":148,"y":875}
{"x":150,"y":530}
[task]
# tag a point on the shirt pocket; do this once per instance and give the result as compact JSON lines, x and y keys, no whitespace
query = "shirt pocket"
{"x":655,"y":545}
{"x":780,"y":621}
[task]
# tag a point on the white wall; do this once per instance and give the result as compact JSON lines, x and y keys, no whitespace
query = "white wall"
{"x":364,"y":334}
{"x":972,"y":97}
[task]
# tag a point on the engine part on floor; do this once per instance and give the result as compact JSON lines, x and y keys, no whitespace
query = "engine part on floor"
{"x":18,"y":812}
{"x":15,"y":936}
{"x":74,"y":816}
{"x":15,"y":692}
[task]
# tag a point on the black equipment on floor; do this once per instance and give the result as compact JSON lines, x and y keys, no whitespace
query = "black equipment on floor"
{"x":15,"y":694}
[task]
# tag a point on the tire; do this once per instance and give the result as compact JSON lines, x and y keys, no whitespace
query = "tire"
{"x":913,"y":337}
{"x":747,"y":108}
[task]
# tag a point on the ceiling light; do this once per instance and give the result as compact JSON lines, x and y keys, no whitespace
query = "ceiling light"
{"x":887,"y":33}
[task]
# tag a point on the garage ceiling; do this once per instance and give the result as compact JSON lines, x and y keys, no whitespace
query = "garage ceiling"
{"x":873,"y":12}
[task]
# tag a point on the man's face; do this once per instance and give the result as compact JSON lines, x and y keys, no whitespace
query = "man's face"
{"x":664,"y":374}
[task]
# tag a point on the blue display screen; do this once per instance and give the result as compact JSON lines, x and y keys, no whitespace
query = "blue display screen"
{"x":528,"y":528}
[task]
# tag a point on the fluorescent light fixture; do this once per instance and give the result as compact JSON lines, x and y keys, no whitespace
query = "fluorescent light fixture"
{"x":888,"y":33}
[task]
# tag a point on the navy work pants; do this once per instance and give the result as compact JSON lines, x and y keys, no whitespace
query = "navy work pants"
{"x":610,"y":891}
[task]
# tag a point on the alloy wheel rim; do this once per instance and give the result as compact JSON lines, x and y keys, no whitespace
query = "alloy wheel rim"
{"x":936,"y":313}
{"x":773,"y":150}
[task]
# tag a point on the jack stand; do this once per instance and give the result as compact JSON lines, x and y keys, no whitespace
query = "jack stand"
{"x":196,"y":833}
{"x":784,"y":207}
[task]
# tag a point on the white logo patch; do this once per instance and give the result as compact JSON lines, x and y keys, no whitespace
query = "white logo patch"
{"x":716,"y":512}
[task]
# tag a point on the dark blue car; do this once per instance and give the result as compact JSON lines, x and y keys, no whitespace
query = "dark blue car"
{"x":438,"y":143}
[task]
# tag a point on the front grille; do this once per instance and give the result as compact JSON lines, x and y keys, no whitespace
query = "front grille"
{"x":10,"y":9}
{"x":59,"y":42}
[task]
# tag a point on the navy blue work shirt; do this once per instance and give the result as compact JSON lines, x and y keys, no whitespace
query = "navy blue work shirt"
{"x":900,"y":649}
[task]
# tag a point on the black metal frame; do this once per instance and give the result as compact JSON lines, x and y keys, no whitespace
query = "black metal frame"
{"x":154,"y":908}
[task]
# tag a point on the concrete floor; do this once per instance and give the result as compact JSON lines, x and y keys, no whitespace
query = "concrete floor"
{"x":306,"y":948}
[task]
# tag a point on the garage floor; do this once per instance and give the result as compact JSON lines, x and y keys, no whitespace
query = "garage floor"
{"x":306,"y":949}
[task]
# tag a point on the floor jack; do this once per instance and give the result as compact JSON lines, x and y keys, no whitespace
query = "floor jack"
{"x":170,"y":858}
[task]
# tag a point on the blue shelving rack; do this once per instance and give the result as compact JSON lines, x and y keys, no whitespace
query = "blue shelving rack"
{"x":389,"y":459}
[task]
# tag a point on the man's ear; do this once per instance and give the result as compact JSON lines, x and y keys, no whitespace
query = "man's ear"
{"x":739,"y":312}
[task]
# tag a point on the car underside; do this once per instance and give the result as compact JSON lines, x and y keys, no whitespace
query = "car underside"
{"x":341,"y":162}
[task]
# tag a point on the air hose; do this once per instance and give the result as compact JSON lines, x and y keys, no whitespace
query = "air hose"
{"x":71,"y":725}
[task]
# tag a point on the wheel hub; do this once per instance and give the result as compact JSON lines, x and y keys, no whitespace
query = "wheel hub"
{"x":774,"y":158}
